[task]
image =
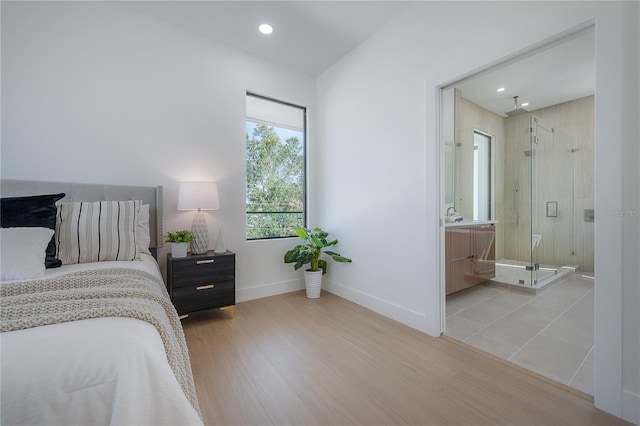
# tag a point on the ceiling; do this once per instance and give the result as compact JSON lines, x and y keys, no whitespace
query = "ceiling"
{"x":308,"y":36}
{"x":560,"y":73}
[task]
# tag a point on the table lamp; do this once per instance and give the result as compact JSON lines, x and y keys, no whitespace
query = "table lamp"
{"x":199,"y":196}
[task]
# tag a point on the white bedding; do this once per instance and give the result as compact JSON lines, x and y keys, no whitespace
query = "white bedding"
{"x":97,"y":371}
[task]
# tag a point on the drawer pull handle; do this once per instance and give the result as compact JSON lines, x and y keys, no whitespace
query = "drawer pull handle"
{"x":205,"y":287}
{"x":202,"y":262}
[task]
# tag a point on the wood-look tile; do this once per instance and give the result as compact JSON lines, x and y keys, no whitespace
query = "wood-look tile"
{"x":291,"y":360}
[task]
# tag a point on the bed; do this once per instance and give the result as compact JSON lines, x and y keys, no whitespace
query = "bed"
{"x":95,"y":340}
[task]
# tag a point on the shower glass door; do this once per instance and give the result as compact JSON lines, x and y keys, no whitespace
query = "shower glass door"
{"x":551,"y":200}
{"x":562,"y":225}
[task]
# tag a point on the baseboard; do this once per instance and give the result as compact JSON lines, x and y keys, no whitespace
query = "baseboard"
{"x":266,"y":290}
{"x":396,"y":312}
{"x":631,"y":407}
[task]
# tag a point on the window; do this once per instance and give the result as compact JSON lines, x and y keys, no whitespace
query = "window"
{"x":482,"y":193}
{"x":276,"y":139}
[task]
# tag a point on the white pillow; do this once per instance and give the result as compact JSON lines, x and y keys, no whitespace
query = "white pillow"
{"x":96,"y":232}
{"x":142,"y":230}
{"x":23,"y":251}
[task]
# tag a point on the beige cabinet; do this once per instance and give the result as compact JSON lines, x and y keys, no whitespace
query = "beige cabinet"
{"x":459,"y":248}
{"x":470,"y":256}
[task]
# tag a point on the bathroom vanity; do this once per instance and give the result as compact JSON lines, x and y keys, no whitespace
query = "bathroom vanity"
{"x":470,"y":254}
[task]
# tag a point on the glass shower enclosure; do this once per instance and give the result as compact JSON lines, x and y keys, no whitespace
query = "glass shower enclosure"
{"x":538,"y":216}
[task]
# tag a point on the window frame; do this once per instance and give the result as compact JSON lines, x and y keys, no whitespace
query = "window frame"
{"x":489,"y":187}
{"x":304,"y":164}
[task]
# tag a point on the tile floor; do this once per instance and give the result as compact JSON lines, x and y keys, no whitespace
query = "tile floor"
{"x":550,"y":333}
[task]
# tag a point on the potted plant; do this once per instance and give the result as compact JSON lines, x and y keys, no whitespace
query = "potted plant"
{"x":315,"y":244}
{"x":180,"y":242}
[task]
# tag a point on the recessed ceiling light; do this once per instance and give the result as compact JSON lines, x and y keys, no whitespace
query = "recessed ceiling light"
{"x":525,"y":104}
{"x":265,"y":29}
{"x":501,"y":89}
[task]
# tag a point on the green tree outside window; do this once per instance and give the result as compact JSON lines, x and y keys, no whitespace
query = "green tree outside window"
{"x":275,"y":182}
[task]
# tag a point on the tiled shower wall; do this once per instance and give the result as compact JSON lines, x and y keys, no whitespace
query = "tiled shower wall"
{"x":574,"y":118}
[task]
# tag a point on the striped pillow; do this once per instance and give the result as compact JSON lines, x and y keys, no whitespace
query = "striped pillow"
{"x":95,"y":232}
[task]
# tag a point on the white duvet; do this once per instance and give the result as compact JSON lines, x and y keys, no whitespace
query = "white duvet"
{"x":97,"y":371}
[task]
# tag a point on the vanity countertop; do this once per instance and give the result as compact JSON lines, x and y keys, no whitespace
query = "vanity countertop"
{"x":469,"y":223}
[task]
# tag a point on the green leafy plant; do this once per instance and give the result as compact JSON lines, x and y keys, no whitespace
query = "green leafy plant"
{"x":183,"y":236}
{"x":315,"y":244}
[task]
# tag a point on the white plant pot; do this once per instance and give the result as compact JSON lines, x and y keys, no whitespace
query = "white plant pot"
{"x":313,"y":283}
{"x":179,"y":249}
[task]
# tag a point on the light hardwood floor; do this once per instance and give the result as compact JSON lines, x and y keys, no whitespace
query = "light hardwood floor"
{"x":291,"y":360}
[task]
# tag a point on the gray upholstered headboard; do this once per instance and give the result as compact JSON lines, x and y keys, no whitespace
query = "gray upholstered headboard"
{"x":151,"y":195}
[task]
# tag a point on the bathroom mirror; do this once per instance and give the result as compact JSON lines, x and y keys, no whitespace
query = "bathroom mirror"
{"x":482,"y":143}
{"x":448,"y":114}
{"x":468,"y":159}
{"x":449,"y":167}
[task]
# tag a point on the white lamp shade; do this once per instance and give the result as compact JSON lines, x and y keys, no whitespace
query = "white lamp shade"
{"x":198,"y":195}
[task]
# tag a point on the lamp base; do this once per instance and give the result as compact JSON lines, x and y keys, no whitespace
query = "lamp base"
{"x":199,"y":228}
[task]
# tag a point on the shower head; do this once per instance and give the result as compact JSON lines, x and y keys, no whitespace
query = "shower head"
{"x":516,"y":111}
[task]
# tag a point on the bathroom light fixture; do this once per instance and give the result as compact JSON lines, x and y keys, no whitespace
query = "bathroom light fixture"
{"x":501,"y":89}
{"x":198,"y":196}
{"x":265,"y":29}
{"x":525,"y":104}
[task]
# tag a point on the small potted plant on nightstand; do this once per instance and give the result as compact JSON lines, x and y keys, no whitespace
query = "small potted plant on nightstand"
{"x":179,"y":242}
{"x":315,"y":243}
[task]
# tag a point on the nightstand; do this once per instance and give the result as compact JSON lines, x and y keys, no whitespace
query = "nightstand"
{"x":202,"y":281}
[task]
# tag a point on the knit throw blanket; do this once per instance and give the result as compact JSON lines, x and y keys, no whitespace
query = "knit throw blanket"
{"x":113,"y":292}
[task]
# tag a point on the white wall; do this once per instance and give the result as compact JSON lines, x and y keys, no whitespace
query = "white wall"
{"x":93,"y":92}
{"x":629,"y":88}
{"x":378,"y":159}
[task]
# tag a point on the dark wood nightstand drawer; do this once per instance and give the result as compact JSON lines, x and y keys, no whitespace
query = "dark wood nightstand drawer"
{"x":202,"y":281}
{"x":199,"y":271}
{"x":195,"y":298}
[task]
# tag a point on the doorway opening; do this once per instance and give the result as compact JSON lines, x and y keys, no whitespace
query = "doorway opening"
{"x":516,"y":215}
